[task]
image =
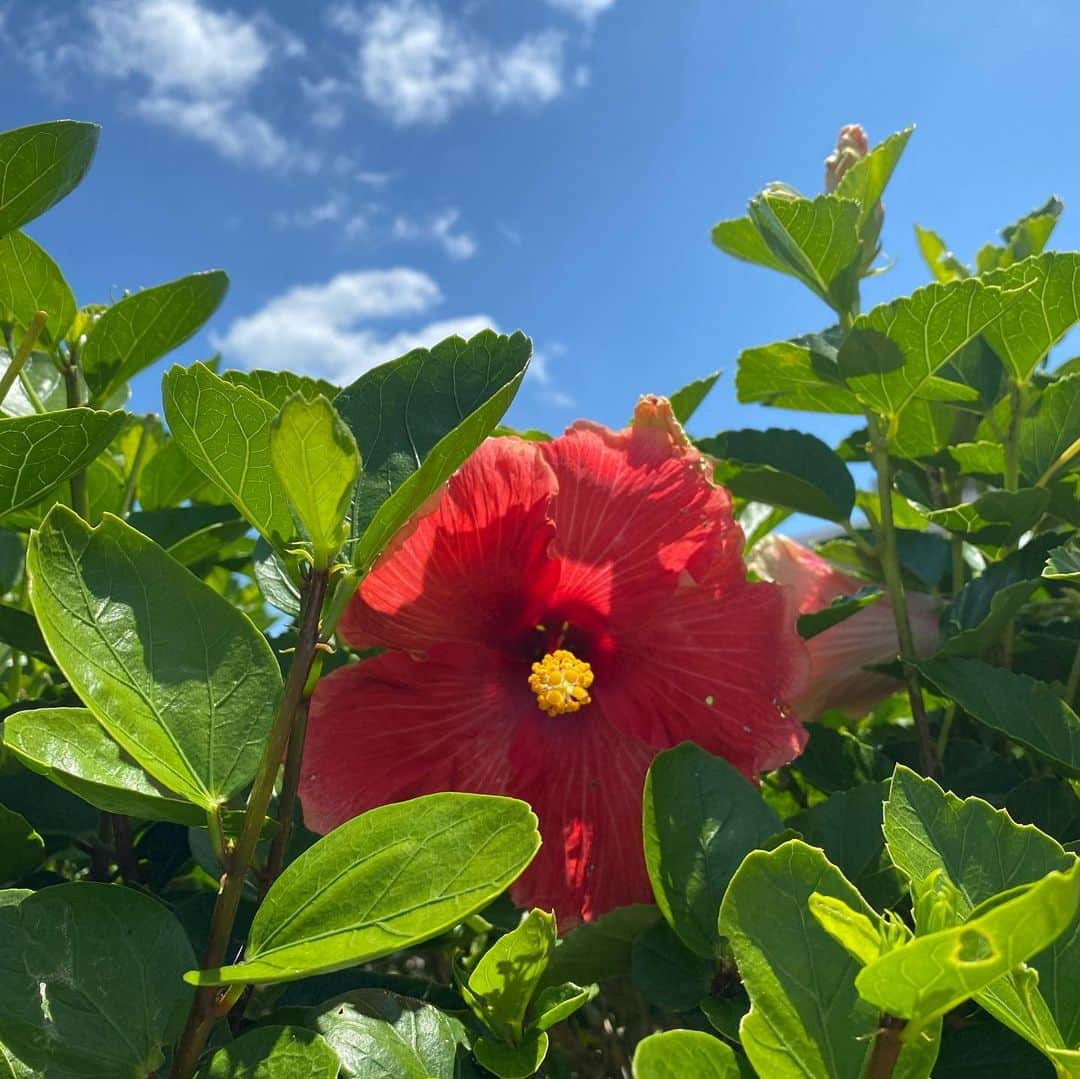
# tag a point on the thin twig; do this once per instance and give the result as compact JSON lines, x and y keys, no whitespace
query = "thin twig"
{"x":7,"y":379}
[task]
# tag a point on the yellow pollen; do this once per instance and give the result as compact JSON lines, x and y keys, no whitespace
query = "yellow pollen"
{"x":561,"y":682}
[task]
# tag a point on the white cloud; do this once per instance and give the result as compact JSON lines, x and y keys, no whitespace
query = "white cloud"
{"x":418,"y":65}
{"x":586,"y":10}
{"x":540,"y":373}
{"x":326,"y":98}
{"x":186,"y":65}
{"x":441,"y":229}
{"x":323,"y":329}
{"x":319,"y":214}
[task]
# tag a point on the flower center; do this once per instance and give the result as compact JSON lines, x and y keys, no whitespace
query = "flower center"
{"x":561,"y":682}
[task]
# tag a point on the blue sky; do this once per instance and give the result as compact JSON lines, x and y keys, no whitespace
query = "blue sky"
{"x":374,"y":175}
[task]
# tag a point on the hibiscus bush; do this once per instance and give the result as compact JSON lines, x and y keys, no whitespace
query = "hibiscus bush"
{"x":349,"y":733}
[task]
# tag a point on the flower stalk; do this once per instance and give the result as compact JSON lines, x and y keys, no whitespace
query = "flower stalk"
{"x":887,"y":1046}
{"x":894,"y":583}
{"x":205,"y":1008}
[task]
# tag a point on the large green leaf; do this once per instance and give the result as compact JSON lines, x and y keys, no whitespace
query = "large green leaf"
{"x":70,"y":747}
{"x":502,"y":983}
{"x":818,"y":238}
{"x":30,"y":282}
{"x":801,"y":374}
{"x":847,"y":827}
{"x":806,"y":1018}
{"x":172,"y":670}
{"x":679,"y":1054}
{"x":391,"y":877}
{"x":21,"y":848}
{"x":39,"y":165}
{"x":379,"y":1035}
{"x":740,"y":238}
{"x":316,"y":460}
{"x":225,"y":431}
{"x":866,"y":180}
{"x":929,"y":976}
{"x":417,"y":419}
{"x":38,"y":452}
{"x":783,"y":468}
{"x":90,"y":980}
{"x":1045,"y":436}
{"x":278,"y":386}
{"x":145,"y":326}
{"x":700,"y":818}
{"x":273,"y":1052}
{"x":1041,"y":313}
{"x":982,"y":852}
{"x":895,"y":352}
{"x":1023,"y":708}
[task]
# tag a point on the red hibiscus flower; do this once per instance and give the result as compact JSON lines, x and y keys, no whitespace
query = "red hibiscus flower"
{"x":562,"y":612}
{"x":839,"y":655}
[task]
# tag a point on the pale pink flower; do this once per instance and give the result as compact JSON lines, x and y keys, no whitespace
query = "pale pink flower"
{"x":839,"y":655}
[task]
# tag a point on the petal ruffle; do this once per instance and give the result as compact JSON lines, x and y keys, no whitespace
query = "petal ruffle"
{"x":721,"y":669}
{"x":394,"y":727}
{"x":634,"y":514}
{"x":467,"y":569}
{"x":584,"y":779}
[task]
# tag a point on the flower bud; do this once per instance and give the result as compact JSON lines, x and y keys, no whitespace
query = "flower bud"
{"x":851,"y":145}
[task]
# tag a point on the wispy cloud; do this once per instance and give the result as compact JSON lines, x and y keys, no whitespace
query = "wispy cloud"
{"x":325,"y":329}
{"x":440,"y":228}
{"x":321,"y":213}
{"x":586,"y":10}
{"x":419,"y":65}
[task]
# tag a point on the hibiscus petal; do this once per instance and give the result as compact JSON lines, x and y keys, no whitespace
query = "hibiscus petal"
{"x":719,"y":668}
{"x":393,"y":727}
{"x":584,"y":779}
{"x":814,"y":582}
{"x":467,"y":568}
{"x":634,"y":513}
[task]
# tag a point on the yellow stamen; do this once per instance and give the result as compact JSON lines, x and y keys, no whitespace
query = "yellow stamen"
{"x":561,"y":682}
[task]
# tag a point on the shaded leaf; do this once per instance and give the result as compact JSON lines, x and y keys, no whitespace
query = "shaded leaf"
{"x":1063,"y":563}
{"x":740,"y":238}
{"x":600,"y":951}
{"x":21,"y":848}
{"x":998,"y":518}
{"x":388,"y":878}
{"x":801,"y":374}
{"x":278,"y":386}
{"x":512,"y":1061}
{"x":677,"y":1054}
{"x":1048,"y":434}
{"x":685,"y":402}
{"x":274,"y":1052}
{"x":30,"y":282}
{"x":666,"y":972}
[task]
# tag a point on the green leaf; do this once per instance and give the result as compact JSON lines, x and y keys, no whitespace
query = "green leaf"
{"x":783,"y":468}
{"x":278,"y":386}
{"x":45,"y":382}
{"x":806,"y":1018}
{"x":931,"y":975}
{"x":225,"y":431}
{"x":847,"y":827}
{"x":600,"y":951}
{"x":685,"y":402}
{"x":982,"y":852}
{"x":678,"y":1054}
{"x":30,"y":282}
{"x":172,"y":670}
{"x":1050,"y":803}
{"x":943,"y":264}
{"x":836,"y":760}
{"x":417,"y":419}
{"x":19,"y":630}
{"x":169,"y":478}
{"x":1028,"y":711}
{"x":861,"y":936}
{"x":316,"y":460}
{"x":90,"y":977}
{"x":1053,"y":429}
{"x":1040,"y":314}
{"x":510,"y":1061}
{"x":380,"y":1035}
{"x":801,"y":374}
{"x":818,"y":238}
{"x":39,"y":165}
{"x":273,"y":1052}
{"x":895,"y":352}
{"x":979,"y":458}
{"x":841,"y":608}
{"x":556,"y":1003}
{"x":1026,"y":237}
{"x":145,"y":326}
{"x":502,"y":984}
{"x":1063,"y":563}
{"x":38,"y":452}
{"x":700,"y":818}
{"x":392,"y":877}
{"x":21,"y":848}
{"x":667,"y":973}
{"x":740,"y":238}
{"x":997,"y":518}
{"x":70,"y":747}
{"x":866,"y":180}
